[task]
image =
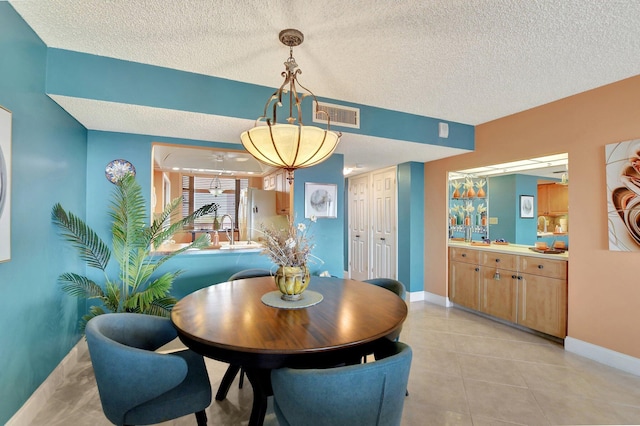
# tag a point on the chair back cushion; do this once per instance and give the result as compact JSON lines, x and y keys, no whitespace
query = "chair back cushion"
{"x":250,"y":273}
{"x":390,"y":284}
{"x":363,"y":394}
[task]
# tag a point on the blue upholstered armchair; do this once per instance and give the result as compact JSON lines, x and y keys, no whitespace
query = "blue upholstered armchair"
{"x":362,"y":394}
{"x":138,"y":386}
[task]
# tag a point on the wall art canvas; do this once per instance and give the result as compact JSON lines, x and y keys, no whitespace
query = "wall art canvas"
{"x":623,"y":195}
{"x":527,"y":206}
{"x":320,"y":200}
{"x":5,"y":184}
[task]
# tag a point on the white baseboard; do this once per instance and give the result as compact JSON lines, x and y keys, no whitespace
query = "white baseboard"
{"x":25,"y":415}
{"x":417,"y":296}
{"x":603,"y":355}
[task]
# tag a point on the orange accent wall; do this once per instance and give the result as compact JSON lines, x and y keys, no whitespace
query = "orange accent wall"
{"x":604,"y":286}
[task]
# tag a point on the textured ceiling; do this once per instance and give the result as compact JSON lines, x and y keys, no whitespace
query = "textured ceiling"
{"x":460,"y":60}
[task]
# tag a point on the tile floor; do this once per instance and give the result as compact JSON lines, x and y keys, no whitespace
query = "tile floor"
{"x":466,"y":370}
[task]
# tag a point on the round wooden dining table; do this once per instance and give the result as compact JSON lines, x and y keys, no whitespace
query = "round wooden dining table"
{"x":230,"y":323}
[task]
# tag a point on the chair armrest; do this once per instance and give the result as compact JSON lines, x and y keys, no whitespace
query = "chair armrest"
{"x":118,"y":366}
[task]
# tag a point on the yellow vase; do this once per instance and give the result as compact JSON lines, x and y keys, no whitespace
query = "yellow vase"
{"x":292,"y":281}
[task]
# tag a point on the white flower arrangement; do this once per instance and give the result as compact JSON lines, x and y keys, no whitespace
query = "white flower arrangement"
{"x":289,"y":246}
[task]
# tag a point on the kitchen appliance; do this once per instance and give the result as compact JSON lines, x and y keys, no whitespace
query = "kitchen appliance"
{"x":257,"y":206}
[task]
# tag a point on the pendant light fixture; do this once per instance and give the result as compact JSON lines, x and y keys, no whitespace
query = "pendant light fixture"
{"x":215,"y":188}
{"x":290,"y":145}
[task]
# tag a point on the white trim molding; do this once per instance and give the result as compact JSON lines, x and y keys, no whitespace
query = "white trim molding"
{"x":603,"y":355}
{"x":417,"y":296}
{"x":29,"y":410}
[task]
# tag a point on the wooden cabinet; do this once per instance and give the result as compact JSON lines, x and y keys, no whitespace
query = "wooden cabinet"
{"x":269,"y":182}
{"x":553,"y":199}
{"x":542,"y":295}
{"x":526,"y":290}
{"x":283,"y":205}
{"x":464,"y":277}
{"x":277,"y":181}
{"x":498,"y":285}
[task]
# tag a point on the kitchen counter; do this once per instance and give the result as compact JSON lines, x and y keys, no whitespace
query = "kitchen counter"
{"x":550,"y":234}
{"x":223,"y":247}
{"x":510,"y":249}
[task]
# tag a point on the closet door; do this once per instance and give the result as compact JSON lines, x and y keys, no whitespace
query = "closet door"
{"x":359,"y":228}
{"x":384,"y":224}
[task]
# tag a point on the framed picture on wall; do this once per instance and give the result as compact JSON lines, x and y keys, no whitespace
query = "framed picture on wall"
{"x":623,"y":201}
{"x":320,"y":200}
{"x":526,"y":206}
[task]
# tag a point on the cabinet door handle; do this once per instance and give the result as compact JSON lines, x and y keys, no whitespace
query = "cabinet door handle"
{"x":540,"y":266}
{"x":497,"y":260}
{"x":382,"y":239}
{"x":357,"y":236}
{"x":477,"y":269}
{"x":464,"y":254}
{"x":519,"y":277}
{"x":514,"y":276}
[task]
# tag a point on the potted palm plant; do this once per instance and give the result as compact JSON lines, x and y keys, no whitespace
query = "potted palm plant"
{"x":135,"y":289}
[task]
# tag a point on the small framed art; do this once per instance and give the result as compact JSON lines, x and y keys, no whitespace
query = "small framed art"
{"x":320,"y":200}
{"x":526,"y":206}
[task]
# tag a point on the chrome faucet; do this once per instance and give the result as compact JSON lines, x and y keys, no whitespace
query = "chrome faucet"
{"x":226,"y":231}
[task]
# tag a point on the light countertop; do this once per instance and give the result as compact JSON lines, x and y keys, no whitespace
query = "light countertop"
{"x":511,"y":249}
{"x":223,"y":247}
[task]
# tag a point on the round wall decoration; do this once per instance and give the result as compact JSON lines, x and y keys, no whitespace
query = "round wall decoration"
{"x":117,"y":169}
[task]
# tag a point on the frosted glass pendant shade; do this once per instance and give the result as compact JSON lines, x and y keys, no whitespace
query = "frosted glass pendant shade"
{"x":289,"y":146}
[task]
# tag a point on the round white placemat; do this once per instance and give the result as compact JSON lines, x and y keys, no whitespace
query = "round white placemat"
{"x":309,"y":298}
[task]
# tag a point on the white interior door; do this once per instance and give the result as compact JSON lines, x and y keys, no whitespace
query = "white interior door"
{"x":384,"y":224}
{"x":359,"y":228}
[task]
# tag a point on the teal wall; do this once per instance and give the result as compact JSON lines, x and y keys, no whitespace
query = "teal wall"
{"x":95,"y":77}
{"x":411,"y":225}
{"x":328,"y":233}
{"x":527,"y":228}
{"x":55,"y":160}
{"x":38,"y":325}
{"x":503,"y":205}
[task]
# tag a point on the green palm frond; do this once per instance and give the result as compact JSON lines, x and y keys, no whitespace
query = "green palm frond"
{"x":159,"y":231}
{"x":200,"y":242}
{"x":155,"y":290}
{"x":79,"y":286}
{"x":162,"y":306}
{"x":94,"y":311}
{"x":140,"y":271}
{"x":92,"y":249}
{"x":129,"y":220}
{"x":112,"y":297}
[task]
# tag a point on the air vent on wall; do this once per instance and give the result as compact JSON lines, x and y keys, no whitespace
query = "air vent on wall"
{"x":339,"y":115}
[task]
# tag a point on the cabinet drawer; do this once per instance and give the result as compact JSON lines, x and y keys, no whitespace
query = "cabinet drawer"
{"x":465,"y":255}
{"x":499,"y":260}
{"x":544,"y":267}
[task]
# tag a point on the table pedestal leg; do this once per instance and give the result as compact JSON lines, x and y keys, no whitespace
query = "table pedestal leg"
{"x":260,"y":380}
{"x":226,"y":382}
